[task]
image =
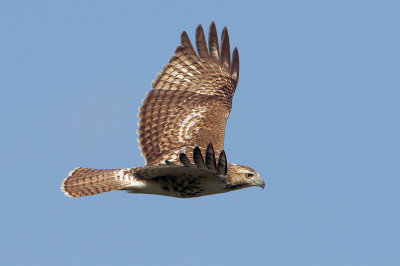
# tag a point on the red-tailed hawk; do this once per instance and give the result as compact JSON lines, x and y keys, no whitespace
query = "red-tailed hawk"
{"x":182,"y":117}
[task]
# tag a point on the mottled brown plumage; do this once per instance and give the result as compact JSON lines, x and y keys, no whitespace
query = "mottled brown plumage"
{"x":181,"y":118}
{"x":191,"y":99}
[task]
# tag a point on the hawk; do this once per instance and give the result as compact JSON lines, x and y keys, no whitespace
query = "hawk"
{"x":182,"y":118}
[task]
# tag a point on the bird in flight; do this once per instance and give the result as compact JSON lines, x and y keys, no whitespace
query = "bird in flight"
{"x":181,"y":129}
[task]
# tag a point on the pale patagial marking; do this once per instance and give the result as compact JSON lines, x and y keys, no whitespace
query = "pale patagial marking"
{"x":190,"y":120}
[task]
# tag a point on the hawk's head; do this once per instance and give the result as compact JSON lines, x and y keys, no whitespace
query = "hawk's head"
{"x":240,"y":176}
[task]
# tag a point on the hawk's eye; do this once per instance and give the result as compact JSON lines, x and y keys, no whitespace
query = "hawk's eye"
{"x":249,"y":175}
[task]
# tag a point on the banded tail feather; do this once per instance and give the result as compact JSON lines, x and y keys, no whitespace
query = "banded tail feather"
{"x":188,"y":106}
{"x":87,"y":181}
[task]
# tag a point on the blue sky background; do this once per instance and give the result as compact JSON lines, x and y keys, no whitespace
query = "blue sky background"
{"x":316,"y":112}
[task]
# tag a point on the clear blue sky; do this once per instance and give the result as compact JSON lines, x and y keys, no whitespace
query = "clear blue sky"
{"x":316,"y":112}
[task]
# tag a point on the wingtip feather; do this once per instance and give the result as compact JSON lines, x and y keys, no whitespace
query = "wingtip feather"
{"x":198,"y":157}
{"x":222,"y":166}
{"x":201,"y":44}
{"x":234,"y":69}
{"x":210,"y":157}
{"x":225,"y":53}
{"x":184,"y":160}
{"x":213,"y":43}
{"x":186,"y":43}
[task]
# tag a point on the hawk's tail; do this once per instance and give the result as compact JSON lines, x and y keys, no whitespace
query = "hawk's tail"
{"x":86,"y":181}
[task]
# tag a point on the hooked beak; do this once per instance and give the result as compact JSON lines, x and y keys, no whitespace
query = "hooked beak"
{"x":262,"y":185}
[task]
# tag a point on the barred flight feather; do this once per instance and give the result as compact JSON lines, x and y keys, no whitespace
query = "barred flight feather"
{"x":183,"y":116}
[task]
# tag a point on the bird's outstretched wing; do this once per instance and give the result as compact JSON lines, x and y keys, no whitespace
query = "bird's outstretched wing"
{"x":191,"y":99}
{"x":209,"y":165}
{"x":180,"y":179}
